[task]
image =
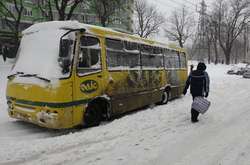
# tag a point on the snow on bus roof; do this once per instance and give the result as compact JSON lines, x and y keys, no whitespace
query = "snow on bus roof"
{"x":109,"y":32}
{"x":55,"y":25}
{"x":52,"y":25}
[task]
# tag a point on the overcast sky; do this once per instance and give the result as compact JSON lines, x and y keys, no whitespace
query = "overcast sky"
{"x":168,"y":6}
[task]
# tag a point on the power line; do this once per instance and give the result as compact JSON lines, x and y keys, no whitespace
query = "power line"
{"x":176,"y":5}
{"x":172,"y":3}
{"x":190,"y":4}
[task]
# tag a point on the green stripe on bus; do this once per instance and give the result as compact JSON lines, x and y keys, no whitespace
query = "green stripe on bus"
{"x":48,"y":104}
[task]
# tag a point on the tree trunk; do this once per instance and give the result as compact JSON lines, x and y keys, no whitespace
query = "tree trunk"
{"x":180,"y":43}
{"x":216,"y":53}
{"x":103,"y":21}
{"x":227,"y":56}
{"x":61,"y":17}
{"x":209,"y":53}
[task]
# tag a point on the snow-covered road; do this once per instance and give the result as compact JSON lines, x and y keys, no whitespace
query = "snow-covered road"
{"x":162,"y":135}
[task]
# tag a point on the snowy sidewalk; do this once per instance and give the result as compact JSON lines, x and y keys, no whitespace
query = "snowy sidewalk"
{"x":162,"y":135}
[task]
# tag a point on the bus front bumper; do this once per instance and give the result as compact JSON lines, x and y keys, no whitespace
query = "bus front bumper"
{"x":42,"y":116}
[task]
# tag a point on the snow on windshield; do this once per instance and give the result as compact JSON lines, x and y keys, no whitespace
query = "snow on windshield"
{"x":38,"y":54}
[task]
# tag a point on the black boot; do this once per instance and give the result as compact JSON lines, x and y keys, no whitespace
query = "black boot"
{"x":194,"y":115}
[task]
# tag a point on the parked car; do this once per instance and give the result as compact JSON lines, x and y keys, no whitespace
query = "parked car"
{"x":239,"y":69}
{"x":234,"y":70}
{"x":246,"y":74}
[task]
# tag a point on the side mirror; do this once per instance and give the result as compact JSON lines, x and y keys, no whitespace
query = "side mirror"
{"x":65,"y":64}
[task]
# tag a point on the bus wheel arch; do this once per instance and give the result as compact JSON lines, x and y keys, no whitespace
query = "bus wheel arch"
{"x":165,"y":95}
{"x":97,"y":110}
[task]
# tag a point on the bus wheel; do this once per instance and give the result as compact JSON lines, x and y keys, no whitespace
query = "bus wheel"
{"x":92,"y":116}
{"x":165,"y":97}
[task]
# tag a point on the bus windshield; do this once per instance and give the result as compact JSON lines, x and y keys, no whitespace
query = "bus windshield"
{"x":38,"y":54}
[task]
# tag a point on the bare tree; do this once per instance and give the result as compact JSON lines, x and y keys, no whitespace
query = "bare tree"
{"x":231,"y":19}
{"x":105,"y":9}
{"x":45,"y":7}
{"x":13,"y":18}
{"x":148,"y":20}
{"x":180,"y":26}
{"x":64,"y":8}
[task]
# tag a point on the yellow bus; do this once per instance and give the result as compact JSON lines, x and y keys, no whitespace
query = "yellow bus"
{"x":69,"y":74}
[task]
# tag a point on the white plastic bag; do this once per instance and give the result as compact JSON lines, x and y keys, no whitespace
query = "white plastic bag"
{"x":201,"y":104}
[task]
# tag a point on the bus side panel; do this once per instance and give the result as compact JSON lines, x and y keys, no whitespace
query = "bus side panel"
{"x":116,"y":89}
{"x":129,"y":90}
{"x":133,"y":89}
{"x":156,"y":83}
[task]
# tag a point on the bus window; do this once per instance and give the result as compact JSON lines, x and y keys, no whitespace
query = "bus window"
{"x":122,"y":56}
{"x":158,"y":52}
{"x":152,"y":61}
{"x":167,"y":59}
{"x":132,"y":56}
{"x":172,"y":59}
{"x":114,"y":53}
{"x":146,"y":49}
{"x":130,"y":46}
{"x":152,"y":57}
{"x":177,"y":61}
{"x":89,"y":58}
{"x":114,"y":44}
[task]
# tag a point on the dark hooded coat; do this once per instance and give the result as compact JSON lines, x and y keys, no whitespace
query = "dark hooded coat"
{"x":198,"y":80}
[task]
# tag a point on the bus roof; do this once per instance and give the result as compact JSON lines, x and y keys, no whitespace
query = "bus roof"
{"x":97,"y":30}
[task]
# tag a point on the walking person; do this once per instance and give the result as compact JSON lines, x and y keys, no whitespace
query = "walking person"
{"x":198,"y":80}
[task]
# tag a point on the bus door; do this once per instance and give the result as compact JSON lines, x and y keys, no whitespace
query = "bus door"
{"x":88,"y":82}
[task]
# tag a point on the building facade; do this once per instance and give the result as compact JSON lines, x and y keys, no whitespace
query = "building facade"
{"x":123,"y":19}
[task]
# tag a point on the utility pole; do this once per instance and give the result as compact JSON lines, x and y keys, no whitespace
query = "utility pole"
{"x":201,"y":32}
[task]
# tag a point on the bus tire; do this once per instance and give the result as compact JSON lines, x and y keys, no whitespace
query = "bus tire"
{"x":92,"y":116}
{"x":165,"y":97}
{"x":108,"y":115}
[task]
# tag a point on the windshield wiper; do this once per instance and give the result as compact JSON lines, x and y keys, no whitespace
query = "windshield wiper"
{"x":17,"y":73}
{"x":35,"y":75}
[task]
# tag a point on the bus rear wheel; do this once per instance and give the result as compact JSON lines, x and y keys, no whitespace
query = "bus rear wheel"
{"x":92,"y":116}
{"x":165,"y":97}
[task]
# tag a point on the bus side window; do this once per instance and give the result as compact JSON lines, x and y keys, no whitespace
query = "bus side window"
{"x":158,"y":62}
{"x":177,"y":60}
{"x":147,"y":56}
{"x":115,"y":53}
{"x":90,"y":55}
{"x":167,"y":59}
{"x":131,"y":57}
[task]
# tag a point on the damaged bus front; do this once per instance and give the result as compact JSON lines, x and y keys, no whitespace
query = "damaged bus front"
{"x":40,"y":85}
